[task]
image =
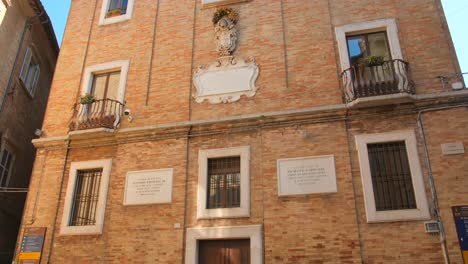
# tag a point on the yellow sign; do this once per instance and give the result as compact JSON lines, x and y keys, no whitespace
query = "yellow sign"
{"x":465,"y":256}
{"x":30,"y":255}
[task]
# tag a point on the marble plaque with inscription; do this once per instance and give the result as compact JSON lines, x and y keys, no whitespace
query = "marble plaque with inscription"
{"x":148,"y":187}
{"x":306,"y":175}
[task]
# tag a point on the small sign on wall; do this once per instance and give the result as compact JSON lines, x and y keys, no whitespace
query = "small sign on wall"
{"x":453,"y":148}
{"x":306,"y":175}
{"x":148,"y":187}
{"x":460,"y":215}
{"x":31,"y":245}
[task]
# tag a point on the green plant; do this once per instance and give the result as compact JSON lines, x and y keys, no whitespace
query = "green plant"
{"x":227,"y":12}
{"x":374,"y":61}
{"x":87,"y":99}
{"x":113,"y":12}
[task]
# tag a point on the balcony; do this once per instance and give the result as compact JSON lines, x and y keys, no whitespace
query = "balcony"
{"x":102,"y":113}
{"x":362,"y":81}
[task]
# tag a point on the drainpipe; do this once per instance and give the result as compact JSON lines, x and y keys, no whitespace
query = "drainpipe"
{"x":58,"y":201}
{"x":27,"y":25}
{"x":435,"y":203}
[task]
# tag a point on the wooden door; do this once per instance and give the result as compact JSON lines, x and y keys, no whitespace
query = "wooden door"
{"x":235,"y":251}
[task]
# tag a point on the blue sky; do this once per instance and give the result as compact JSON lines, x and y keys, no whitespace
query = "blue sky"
{"x":456,"y":12}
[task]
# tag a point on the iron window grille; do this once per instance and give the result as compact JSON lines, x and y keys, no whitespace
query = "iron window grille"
{"x":223,"y":183}
{"x":391,"y":176}
{"x":85,"y":197}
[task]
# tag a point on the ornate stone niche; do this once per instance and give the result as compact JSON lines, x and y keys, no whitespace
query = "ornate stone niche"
{"x":228,"y":78}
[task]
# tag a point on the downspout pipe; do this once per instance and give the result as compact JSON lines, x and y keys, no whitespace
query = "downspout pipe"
{"x":435,"y":201}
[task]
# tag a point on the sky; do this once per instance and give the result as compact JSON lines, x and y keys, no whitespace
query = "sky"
{"x":456,"y":12}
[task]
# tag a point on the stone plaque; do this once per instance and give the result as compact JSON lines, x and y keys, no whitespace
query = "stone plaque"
{"x":148,"y":187}
{"x":226,"y":80}
{"x":306,"y":175}
{"x":453,"y":148}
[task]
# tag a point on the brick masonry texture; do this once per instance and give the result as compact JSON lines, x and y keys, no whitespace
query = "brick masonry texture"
{"x":294,"y":45}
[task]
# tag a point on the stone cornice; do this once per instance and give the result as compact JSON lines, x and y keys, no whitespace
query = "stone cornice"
{"x":250,"y":122}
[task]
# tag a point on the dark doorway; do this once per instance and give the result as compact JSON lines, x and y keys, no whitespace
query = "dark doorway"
{"x":235,"y":251}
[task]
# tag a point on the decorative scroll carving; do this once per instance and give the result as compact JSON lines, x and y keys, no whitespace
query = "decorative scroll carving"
{"x":226,"y":80}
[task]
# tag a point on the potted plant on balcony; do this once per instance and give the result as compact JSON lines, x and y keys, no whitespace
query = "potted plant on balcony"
{"x":113,"y":13}
{"x":374,"y":61}
{"x":87,"y":99}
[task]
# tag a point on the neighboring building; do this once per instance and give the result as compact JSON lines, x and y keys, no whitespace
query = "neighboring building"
{"x":28,"y":52}
{"x":326,"y":138}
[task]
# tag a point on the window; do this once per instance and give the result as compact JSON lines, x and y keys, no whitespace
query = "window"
{"x":85,"y":199}
{"x":30,"y":72}
{"x":114,"y":11}
{"x":107,"y":80}
{"x":251,"y":234}
{"x":116,"y":8}
{"x":223,"y":183}
{"x":363,"y":46}
{"x":6,"y":164}
{"x":105,"y":85}
{"x":368,"y":38}
{"x":391,"y":177}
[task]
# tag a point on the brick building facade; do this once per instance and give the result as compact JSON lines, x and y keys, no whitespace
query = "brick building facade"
{"x":267,"y":131}
{"x":28,"y":52}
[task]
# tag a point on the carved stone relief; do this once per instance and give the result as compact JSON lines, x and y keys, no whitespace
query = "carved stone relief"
{"x":228,"y":78}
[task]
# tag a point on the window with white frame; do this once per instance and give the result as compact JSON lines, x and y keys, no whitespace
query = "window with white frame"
{"x":86,"y":195}
{"x":6,"y":165}
{"x":30,"y":72}
{"x":106,"y":80}
{"x":391,"y":177}
{"x":377,"y":37}
{"x":224,"y":183}
{"x":114,"y":11}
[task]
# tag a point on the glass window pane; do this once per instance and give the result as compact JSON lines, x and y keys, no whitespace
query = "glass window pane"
{"x":86,"y":197}
{"x":391,"y":176}
{"x":124,"y":6}
{"x":378,"y":45}
{"x":223,"y":182}
{"x":113,"y":86}
{"x":114,"y":4}
{"x":99,"y":86}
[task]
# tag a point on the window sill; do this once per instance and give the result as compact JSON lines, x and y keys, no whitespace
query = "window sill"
{"x":216,"y":3}
{"x":223,"y":213}
{"x":81,"y":230}
{"x":114,"y":19}
{"x":398,"y":216}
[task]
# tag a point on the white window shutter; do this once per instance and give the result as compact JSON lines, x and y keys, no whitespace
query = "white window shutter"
{"x":25,"y":67}
{"x":37,"y":73}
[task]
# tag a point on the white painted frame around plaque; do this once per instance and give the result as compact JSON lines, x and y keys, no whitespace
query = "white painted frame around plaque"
{"x":329,"y":187}
{"x":226,"y":80}
{"x":166,"y":197}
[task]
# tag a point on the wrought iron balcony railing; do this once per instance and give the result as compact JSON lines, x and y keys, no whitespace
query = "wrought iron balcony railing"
{"x":365,"y":81}
{"x":102,"y":113}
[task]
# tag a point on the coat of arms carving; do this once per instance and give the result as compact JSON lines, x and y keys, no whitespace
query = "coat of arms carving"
{"x":227,"y":79}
